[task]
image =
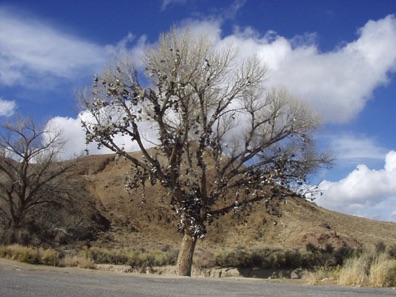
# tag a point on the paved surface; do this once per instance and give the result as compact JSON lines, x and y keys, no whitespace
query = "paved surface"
{"x":26,"y":280}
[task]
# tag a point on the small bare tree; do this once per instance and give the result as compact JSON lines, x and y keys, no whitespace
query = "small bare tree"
{"x":206,"y":108}
{"x":29,"y":176}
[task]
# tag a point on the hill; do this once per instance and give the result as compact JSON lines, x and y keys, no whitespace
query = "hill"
{"x":153,"y":224}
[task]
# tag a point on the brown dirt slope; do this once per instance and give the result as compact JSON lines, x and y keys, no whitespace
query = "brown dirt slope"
{"x":154,"y":225}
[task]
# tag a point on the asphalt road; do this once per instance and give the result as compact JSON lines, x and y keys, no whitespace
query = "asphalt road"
{"x":23,"y":281}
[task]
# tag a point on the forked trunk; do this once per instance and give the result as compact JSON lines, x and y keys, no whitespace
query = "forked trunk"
{"x":186,"y":253}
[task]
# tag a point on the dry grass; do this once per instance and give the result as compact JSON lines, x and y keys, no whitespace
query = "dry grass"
{"x":89,"y":257}
{"x":79,"y":261}
{"x":355,"y":271}
{"x":138,"y":258}
{"x":383,"y":271}
{"x":154,"y":223}
{"x":368,"y":269}
{"x":30,"y":255}
{"x":321,"y":276}
{"x":49,"y":257}
{"x":20,"y":253}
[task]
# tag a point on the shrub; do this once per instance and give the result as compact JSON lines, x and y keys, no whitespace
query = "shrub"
{"x":134,"y":257}
{"x":261,"y":258}
{"x":237,"y":258}
{"x":371,"y":268}
{"x":30,"y":255}
{"x":37,"y":256}
{"x":106,"y":256}
{"x":49,"y":257}
{"x":294,"y":259}
{"x":380,"y":247}
{"x":21,"y":254}
{"x":392,"y":251}
{"x":327,"y":257}
{"x":341,"y":254}
{"x":3,"y":251}
{"x":79,"y":261}
{"x":376,"y":270}
{"x":87,"y":257}
{"x":278,"y":259}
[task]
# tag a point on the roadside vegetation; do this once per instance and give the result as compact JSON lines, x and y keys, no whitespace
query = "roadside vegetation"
{"x":343,"y":266}
{"x":89,"y":257}
{"x":369,"y":268}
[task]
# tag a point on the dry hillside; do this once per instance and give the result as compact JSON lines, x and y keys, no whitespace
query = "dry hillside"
{"x":154,"y":225}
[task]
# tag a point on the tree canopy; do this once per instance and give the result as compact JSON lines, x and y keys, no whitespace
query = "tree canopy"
{"x":29,"y":177}
{"x":200,"y":106}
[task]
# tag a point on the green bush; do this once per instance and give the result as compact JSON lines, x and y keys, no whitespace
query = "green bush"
{"x":294,"y":259}
{"x":106,"y":256}
{"x":151,"y":258}
{"x":260,"y":258}
{"x":284,"y":259}
{"x":236,"y":258}
{"x":326,"y":257}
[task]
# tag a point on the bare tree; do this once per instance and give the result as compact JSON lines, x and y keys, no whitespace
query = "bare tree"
{"x":29,"y":176}
{"x":206,"y":108}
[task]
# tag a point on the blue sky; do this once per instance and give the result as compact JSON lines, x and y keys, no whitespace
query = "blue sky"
{"x":339,"y":56}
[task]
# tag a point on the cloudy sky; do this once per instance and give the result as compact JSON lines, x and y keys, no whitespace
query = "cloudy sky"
{"x":337,"y":55}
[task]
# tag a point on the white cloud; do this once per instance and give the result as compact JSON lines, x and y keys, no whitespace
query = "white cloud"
{"x":32,"y":52}
{"x":166,"y":3}
{"x":355,"y":148}
{"x":7,"y":108}
{"x":210,"y":28}
{"x":338,"y":83}
{"x":74,"y":135}
{"x":235,"y":7}
{"x":363,"y":191}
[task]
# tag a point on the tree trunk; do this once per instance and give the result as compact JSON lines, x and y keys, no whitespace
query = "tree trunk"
{"x":12,"y":235}
{"x":186,"y":253}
